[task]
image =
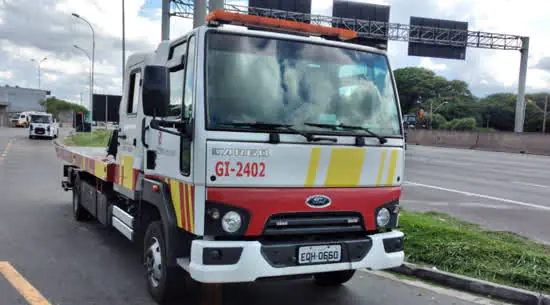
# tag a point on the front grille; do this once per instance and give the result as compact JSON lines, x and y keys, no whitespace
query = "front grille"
{"x":314,"y":223}
{"x":39,"y":130}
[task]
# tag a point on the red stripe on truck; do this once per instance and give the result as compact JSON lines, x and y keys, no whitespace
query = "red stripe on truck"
{"x":264,"y":202}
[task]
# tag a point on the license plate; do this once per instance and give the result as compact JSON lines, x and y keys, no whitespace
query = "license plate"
{"x":319,"y":254}
{"x":39,"y":132}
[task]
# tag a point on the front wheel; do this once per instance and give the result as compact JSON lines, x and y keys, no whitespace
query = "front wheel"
{"x":162,"y":281}
{"x":335,"y":278}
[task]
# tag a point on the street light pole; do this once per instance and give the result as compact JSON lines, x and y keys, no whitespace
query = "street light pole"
{"x":91,"y":92}
{"x":93,"y":59}
{"x":39,"y":63}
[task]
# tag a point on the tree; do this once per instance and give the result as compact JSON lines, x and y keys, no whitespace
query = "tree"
{"x":55,"y":106}
{"x":414,"y":84}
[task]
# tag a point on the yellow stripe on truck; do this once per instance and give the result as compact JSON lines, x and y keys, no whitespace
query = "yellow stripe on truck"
{"x":393,"y":164}
{"x":100,"y":169}
{"x":175,"y":193}
{"x":313,"y":165}
{"x":381,"y":169}
{"x":128,"y":181}
{"x":345,"y":166}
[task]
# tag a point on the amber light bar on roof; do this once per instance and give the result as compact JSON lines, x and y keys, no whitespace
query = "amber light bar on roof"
{"x":301,"y":27}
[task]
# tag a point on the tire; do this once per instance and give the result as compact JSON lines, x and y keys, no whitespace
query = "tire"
{"x":79,"y":212}
{"x":335,"y":278}
{"x":163,"y":282}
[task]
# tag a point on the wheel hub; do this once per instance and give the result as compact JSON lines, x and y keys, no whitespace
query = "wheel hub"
{"x":153,"y":262}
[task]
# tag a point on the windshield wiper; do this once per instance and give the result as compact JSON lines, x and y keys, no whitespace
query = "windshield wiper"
{"x":275,"y":126}
{"x":380,"y":138}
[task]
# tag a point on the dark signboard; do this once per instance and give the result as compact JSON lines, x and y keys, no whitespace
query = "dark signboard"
{"x":99,"y":110}
{"x":364,"y":11}
{"x":426,"y":49}
{"x":297,"y":6}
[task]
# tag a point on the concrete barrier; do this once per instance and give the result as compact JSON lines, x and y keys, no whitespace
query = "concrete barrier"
{"x":531,"y":143}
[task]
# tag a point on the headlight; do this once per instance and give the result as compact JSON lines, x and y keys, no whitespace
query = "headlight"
{"x":383,"y":217}
{"x":48,"y":128}
{"x":231,"y":222}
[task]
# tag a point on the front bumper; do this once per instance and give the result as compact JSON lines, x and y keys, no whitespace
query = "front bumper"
{"x":44,"y":134}
{"x":251,"y":263}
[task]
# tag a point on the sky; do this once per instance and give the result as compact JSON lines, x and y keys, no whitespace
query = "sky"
{"x":35,"y":29}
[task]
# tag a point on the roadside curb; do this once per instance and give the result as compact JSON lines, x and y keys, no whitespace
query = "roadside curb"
{"x":502,"y":292}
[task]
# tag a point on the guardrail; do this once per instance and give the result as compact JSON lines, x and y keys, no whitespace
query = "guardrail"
{"x":530,"y":143}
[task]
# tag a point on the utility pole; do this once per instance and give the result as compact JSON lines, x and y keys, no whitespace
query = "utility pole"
{"x":431,"y":113}
{"x":545,"y":112}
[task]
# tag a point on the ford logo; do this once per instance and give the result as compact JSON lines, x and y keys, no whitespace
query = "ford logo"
{"x":318,"y":201}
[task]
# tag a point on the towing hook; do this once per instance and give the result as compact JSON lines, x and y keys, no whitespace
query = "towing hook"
{"x":66,"y":186}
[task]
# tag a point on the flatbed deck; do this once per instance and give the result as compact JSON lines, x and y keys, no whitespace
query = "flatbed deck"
{"x":90,"y":159}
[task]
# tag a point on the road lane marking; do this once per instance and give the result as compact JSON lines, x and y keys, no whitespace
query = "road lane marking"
{"x":531,"y":184}
{"x":458,"y":204}
{"x":541,"y":207}
{"x":6,"y":150}
{"x":31,"y":294}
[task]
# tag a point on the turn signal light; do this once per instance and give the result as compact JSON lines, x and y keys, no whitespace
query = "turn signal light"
{"x":243,"y":19}
{"x":156,"y":188}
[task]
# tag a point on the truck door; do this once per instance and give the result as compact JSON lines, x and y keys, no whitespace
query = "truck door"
{"x":130,"y":149}
{"x":173,"y":154}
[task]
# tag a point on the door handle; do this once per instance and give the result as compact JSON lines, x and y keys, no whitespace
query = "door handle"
{"x":122,"y":136}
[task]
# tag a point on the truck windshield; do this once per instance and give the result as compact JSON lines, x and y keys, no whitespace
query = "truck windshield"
{"x":40,"y":119}
{"x":254,"y":79}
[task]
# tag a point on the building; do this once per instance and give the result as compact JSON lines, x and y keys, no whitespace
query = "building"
{"x":17,"y":99}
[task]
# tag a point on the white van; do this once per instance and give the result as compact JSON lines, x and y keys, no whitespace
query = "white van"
{"x":42,"y":124}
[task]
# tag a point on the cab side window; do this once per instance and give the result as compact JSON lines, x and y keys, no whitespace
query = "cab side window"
{"x":177,"y":75}
{"x":133,"y":93}
{"x":189,"y":90}
{"x":182,"y":71}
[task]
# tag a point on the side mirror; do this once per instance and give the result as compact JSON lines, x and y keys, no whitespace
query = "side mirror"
{"x":156,"y":91}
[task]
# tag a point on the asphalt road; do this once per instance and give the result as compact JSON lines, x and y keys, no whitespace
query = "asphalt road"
{"x":49,"y":259}
{"x":500,"y":191}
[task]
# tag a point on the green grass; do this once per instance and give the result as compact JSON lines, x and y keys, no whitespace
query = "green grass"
{"x":464,"y":248}
{"x":99,"y":138}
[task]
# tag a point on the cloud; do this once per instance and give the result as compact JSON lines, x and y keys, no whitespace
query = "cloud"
{"x":544,"y":64}
{"x":428,"y":63}
{"x":5,"y":75}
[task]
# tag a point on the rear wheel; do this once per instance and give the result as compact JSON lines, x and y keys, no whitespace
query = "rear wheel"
{"x":335,"y":278}
{"x":79,"y":212}
{"x":163,"y":282}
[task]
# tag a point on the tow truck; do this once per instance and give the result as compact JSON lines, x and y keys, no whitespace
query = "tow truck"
{"x":250,"y":148}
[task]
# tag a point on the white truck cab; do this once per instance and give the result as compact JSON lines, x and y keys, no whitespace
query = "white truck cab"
{"x":42,"y":124}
